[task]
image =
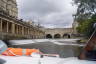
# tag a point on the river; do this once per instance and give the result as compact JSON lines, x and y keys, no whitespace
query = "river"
{"x":63,"y":48}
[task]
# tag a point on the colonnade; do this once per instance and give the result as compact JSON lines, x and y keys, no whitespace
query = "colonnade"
{"x":19,"y":30}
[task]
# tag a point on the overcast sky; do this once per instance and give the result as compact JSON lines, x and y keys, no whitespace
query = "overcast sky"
{"x":49,"y":13}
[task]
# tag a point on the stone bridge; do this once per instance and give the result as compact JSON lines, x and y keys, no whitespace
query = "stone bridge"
{"x":58,"y":32}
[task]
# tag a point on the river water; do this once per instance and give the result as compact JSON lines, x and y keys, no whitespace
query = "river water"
{"x":49,"y":47}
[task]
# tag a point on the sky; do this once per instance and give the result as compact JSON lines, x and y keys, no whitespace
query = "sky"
{"x":48,"y":13}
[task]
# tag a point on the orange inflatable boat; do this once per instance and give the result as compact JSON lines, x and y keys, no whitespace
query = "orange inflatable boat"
{"x":19,"y":52}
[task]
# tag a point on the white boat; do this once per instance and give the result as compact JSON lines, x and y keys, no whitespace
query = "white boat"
{"x":45,"y":60}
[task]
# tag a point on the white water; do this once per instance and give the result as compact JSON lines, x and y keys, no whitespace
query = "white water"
{"x":55,"y":41}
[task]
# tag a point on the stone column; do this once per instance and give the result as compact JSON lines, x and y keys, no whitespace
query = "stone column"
{"x":32,"y":32}
{"x":17,"y":29}
{"x":7,"y":26}
{"x":28,"y":32}
{"x":1,"y":25}
{"x":22,"y":30}
{"x":25,"y":30}
{"x":13,"y":28}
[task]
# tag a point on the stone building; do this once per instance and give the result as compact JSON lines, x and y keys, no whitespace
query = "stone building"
{"x":75,"y":25}
{"x":13,"y":28}
{"x":9,"y":7}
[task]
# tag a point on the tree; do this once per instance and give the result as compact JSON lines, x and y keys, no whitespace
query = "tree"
{"x":86,"y":8}
{"x":85,"y":16}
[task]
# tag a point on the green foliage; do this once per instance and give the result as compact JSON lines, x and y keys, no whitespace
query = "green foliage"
{"x":86,"y":26}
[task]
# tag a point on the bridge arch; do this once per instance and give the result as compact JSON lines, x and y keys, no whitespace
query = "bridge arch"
{"x":66,"y":35}
{"x":57,"y":36}
{"x":48,"y":36}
